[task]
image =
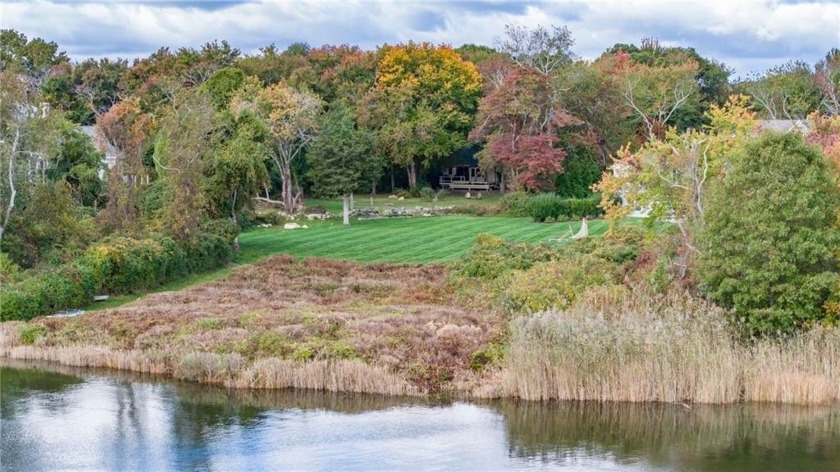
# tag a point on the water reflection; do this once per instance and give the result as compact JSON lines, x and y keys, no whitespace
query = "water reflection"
{"x":66,"y":418}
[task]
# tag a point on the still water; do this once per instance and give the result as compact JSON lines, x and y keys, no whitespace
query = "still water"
{"x":58,"y":418}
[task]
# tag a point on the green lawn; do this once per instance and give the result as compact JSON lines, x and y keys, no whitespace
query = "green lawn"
{"x":417,"y":239}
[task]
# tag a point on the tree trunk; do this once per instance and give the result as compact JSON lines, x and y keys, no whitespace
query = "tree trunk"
{"x":392,"y":180}
{"x":286,"y":189}
{"x":412,"y":175}
{"x":346,"y":209}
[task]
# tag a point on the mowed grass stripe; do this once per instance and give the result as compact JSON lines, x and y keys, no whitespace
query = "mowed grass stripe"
{"x":418,"y":239}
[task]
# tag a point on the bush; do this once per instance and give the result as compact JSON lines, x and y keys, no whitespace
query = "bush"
{"x":550,"y":206}
{"x":114,"y":266}
{"x":514,"y":204}
{"x":492,"y":257}
{"x":769,"y":242}
{"x":553,"y":284}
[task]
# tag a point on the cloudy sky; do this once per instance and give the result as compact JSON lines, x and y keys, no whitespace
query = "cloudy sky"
{"x":748,"y":36}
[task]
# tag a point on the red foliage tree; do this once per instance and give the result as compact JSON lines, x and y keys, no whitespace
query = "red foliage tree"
{"x":519,"y":121}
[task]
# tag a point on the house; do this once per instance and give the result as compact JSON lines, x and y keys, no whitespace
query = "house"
{"x":784,"y":126}
{"x":110,"y":151}
{"x":462,"y":172}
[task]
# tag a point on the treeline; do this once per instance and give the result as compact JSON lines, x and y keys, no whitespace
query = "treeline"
{"x":195,"y":134}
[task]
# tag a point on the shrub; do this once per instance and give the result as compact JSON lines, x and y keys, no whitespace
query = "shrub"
{"x":514,"y":204}
{"x":769,"y":241}
{"x":116,"y":265}
{"x":553,"y":284}
{"x":547,"y":206}
{"x":426,"y":193}
{"x":492,"y":257}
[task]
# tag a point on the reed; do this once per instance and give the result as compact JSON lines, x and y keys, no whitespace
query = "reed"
{"x":618,"y":345}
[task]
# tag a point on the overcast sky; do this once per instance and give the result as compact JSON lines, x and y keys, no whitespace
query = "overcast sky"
{"x":748,"y":36}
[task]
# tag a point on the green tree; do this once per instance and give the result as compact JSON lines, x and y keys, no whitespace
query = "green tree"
{"x":785,"y":92}
{"x":341,"y":157}
{"x":422,"y":104}
{"x":768,"y":244}
{"x":236,"y":171}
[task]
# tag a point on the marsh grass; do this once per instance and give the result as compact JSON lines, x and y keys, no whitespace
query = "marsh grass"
{"x":618,"y":345}
{"x":334,"y":325}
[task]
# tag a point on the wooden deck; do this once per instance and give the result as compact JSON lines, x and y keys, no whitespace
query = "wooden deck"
{"x":468,"y":186}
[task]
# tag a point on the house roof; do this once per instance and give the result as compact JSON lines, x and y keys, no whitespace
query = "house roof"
{"x":784,"y":126}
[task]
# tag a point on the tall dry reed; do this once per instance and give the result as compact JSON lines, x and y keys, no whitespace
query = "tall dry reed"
{"x":616,"y":345}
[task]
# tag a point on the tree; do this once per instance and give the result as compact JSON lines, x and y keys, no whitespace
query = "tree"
{"x":291,"y":117}
{"x":128,"y":130}
{"x":541,"y":49}
{"x":670,"y":177}
{"x":519,"y":121}
{"x":656,"y":93}
{"x":785,"y":92}
{"x":422,"y":104}
{"x":32,"y":59}
{"x":341,"y":157}
{"x":769,"y":241}
{"x":827,"y":77}
{"x":183,"y":142}
{"x":236,"y":171}
{"x":28,"y":142}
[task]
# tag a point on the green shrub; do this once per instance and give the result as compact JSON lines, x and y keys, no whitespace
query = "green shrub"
{"x":769,"y":242}
{"x":116,"y":265}
{"x":30,"y":333}
{"x":553,"y":284}
{"x":514,"y":204}
{"x":426,"y":193}
{"x":548,"y":206}
{"x":492,"y":257}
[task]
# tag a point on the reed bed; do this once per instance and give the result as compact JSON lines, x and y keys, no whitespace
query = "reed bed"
{"x":618,"y":345}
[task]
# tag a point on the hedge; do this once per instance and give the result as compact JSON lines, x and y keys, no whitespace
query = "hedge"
{"x":115,"y":266}
{"x":550,"y":206}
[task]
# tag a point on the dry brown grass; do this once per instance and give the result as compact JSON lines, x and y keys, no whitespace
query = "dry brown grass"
{"x":321,"y":324}
{"x":620,"y":346}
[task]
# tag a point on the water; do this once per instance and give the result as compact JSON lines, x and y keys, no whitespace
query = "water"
{"x":58,"y":418}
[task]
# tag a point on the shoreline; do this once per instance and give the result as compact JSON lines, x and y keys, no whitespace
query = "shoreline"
{"x":394,"y":329}
{"x":344,"y":377}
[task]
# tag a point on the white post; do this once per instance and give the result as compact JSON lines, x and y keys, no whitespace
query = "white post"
{"x":346,"y":210}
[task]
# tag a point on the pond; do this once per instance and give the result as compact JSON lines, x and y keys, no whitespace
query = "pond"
{"x":59,"y":418}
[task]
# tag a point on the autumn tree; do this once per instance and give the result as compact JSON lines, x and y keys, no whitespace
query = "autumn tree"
{"x":670,"y":177}
{"x":127,"y":130}
{"x":341,"y":158}
{"x":827,"y":77}
{"x":422,"y":104}
{"x":656,"y":93}
{"x":519,"y":121}
{"x":291,"y":117}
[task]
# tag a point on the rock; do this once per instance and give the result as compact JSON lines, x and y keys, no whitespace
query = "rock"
{"x":401,"y":198}
{"x":467,"y":195}
{"x":292,"y":226}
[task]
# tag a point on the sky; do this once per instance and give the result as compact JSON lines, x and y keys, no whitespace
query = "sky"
{"x":747,"y":36}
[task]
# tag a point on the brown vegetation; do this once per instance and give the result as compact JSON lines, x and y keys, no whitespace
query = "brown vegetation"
{"x":340,"y":326}
{"x":622,"y":345}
